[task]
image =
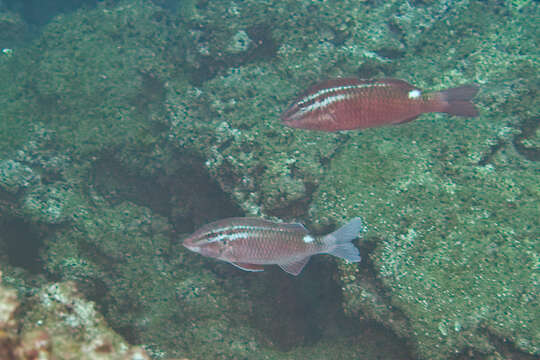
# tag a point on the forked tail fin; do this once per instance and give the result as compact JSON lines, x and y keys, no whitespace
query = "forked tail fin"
{"x":340,"y":241}
{"x":458,"y":101}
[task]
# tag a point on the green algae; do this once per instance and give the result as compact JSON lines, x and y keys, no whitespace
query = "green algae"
{"x":415,"y":184}
{"x":167,"y":306}
{"x":13,"y":29}
{"x":95,"y":92}
{"x":15,"y":176}
{"x":459,"y":251}
{"x":455,"y":275}
{"x":123,"y":252}
{"x":17,"y":103}
{"x":449,"y":204}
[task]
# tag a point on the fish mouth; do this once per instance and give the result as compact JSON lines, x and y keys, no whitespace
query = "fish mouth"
{"x":293,"y":123}
{"x":289,"y":120}
{"x":192,"y":247}
{"x":287,"y":123}
{"x":290,"y":114}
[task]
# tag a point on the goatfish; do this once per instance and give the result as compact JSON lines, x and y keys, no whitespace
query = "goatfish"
{"x":249,"y":243}
{"x":348,"y":103}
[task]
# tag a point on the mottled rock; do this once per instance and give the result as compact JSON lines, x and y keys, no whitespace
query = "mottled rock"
{"x":58,"y":324}
{"x":15,"y":176}
{"x":165,"y":122}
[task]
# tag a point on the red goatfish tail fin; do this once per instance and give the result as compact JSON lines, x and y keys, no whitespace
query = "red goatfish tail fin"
{"x":458,"y":101}
{"x":340,"y":241}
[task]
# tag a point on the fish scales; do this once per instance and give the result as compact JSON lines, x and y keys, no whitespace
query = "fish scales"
{"x":347,"y":103}
{"x":258,"y":241}
{"x":249,"y":243}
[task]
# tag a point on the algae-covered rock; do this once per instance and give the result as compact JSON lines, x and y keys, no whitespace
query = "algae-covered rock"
{"x":446,"y":219}
{"x":13,"y":29}
{"x":456,"y":276}
{"x":452,"y":205}
{"x":15,"y":176}
{"x":93,"y":75}
{"x":128,"y":125}
{"x":58,"y":323}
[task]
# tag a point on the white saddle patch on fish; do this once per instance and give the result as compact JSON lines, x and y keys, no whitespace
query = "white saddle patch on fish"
{"x":414,"y":94}
{"x":308,"y":239}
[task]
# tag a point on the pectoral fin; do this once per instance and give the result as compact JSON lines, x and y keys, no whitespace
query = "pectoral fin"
{"x":295,"y":267}
{"x":248,"y":267}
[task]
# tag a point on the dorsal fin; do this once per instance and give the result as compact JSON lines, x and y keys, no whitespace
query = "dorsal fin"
{"x":296,"y":227}
{"x":397,"y":82}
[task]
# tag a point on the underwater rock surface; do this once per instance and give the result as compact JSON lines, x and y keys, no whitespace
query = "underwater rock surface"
{"x":60,"y":325}
{"x":127,"y":126}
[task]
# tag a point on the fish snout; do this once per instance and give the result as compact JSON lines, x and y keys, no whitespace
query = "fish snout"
{"x":203,"y":247}
{"x":190,"y":244}
{"x":193,"y":248}
{"x":291,"y":115}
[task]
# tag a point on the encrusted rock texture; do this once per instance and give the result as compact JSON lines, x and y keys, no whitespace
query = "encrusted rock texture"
{"x":125,"y":126}
{"x":61,"y":324}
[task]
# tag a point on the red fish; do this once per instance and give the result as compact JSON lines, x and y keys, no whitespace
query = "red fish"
{"x":346,"y":104}
{"x":249,"y":243}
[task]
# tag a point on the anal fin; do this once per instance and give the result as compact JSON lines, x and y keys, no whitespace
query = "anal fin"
{"x":294,"y":267}
{"x":248,"y":267}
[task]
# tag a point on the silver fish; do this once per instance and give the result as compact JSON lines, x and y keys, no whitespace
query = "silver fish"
{"x":249,"y":243}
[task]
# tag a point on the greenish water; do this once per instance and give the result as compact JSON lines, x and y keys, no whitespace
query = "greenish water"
{"x":126,"y":125}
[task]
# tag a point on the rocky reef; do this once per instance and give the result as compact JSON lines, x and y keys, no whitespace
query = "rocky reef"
{"x":59,"y":324}
{"x":127,"y":125}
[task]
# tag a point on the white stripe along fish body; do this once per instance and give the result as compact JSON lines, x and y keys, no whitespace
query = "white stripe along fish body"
{"x":250,"y":243}
{"x":348,"y":103}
